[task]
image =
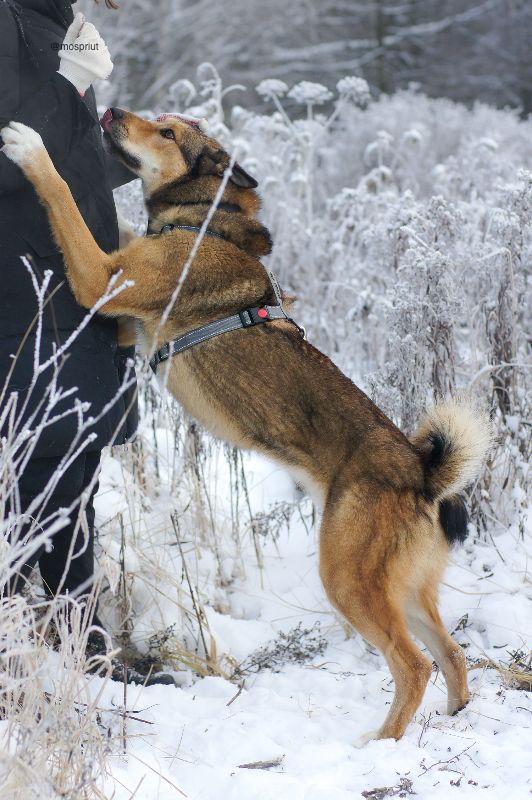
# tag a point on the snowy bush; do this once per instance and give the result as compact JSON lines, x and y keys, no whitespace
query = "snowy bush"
{"x":297,"y":646}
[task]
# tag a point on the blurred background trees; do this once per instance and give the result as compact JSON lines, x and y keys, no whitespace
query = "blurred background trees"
{"x":466,"y":50}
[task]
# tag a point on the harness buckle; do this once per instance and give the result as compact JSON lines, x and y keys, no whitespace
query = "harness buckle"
{"x":254,"y":316}
{"x":165,"y":352}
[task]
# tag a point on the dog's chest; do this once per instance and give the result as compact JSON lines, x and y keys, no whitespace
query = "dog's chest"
{"x":180,"y":380}
{"x":208,"y":411}
{"x":184,"y":386}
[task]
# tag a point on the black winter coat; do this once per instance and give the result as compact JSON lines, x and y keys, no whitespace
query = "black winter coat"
{"x":32,"y":92}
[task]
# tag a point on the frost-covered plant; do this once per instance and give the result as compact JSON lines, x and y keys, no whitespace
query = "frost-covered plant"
{"x":422,"y":312}
{"x":182,"y":93}
{"x":271,"y":88}
{"x":297,"y":646}
{"x":52,"y":742}
{"x":355,"y":89}
{"x":403,"y":229}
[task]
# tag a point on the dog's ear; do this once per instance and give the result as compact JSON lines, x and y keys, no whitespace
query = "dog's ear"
{"x":204,"y":158}
{"x":242,"y":178}
{"x":216,"y":161}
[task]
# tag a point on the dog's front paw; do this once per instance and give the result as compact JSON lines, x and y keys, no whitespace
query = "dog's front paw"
{"x":23,"y":145}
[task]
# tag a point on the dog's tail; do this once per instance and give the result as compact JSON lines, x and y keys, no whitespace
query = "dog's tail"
{"x":453,"y":440}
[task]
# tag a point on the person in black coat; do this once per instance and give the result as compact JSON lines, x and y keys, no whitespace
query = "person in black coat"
{"x":61,"y":106}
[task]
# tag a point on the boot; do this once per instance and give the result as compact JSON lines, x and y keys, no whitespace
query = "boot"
{"x":96,"y":646}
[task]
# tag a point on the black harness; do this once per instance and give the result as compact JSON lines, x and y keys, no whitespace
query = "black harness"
{"x":169,"y":227}
{"x":247,"y":318}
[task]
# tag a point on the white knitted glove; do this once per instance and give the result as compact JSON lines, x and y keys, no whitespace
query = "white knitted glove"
{"x":84,"y":56}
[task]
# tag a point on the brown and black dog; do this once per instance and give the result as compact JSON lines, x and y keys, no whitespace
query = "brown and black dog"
{"x":390,"y":505}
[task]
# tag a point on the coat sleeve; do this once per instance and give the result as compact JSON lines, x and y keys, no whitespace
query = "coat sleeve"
{"x":56,"y":110}
{"x":9,"y":80}
{"x":117,"y":173}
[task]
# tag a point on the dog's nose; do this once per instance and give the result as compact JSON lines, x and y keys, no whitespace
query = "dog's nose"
{"x":111,"y":115}
{"x":106,"y":119}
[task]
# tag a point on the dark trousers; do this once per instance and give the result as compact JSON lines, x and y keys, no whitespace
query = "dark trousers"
{"x":52,"y":565}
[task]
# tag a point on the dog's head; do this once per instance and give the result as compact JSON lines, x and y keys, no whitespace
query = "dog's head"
{"x":170,"y":148}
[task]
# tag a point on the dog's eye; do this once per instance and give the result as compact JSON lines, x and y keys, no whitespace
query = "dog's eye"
{"x":167,"y":133}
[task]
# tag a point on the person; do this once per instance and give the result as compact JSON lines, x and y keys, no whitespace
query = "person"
{"x":49,"y":60}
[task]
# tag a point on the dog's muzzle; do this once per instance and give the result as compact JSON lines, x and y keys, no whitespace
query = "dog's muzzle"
{"x":111,"y":115}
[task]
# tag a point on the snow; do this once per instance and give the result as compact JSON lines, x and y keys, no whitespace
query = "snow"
{"x":308,"y":716}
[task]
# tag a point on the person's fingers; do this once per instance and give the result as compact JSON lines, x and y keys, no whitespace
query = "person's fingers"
{"x":74,"y":29}
{"x":89,"y":33}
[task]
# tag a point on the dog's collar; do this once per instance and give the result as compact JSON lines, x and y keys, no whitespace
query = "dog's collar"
{"x":247,"y":318}
{"x":169,"y":227}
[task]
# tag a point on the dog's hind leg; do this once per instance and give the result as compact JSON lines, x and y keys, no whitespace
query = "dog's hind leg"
{"x":362,"y":572}
{"x":409,"y":667}
{"x":425,"y":623}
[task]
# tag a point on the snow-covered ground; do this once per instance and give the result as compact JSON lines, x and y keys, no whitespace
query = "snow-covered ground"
{"x":304,"y":719}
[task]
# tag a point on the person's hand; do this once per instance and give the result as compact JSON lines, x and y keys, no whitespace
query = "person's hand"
{"x":84,"y":56}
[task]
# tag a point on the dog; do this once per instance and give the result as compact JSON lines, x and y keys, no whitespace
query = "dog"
{"x":391,"y":506}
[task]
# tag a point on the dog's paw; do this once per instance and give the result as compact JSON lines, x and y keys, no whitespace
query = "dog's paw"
{"x":454,"y":706}
{"x":365,"y":738}
{"x":22,"y":145}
